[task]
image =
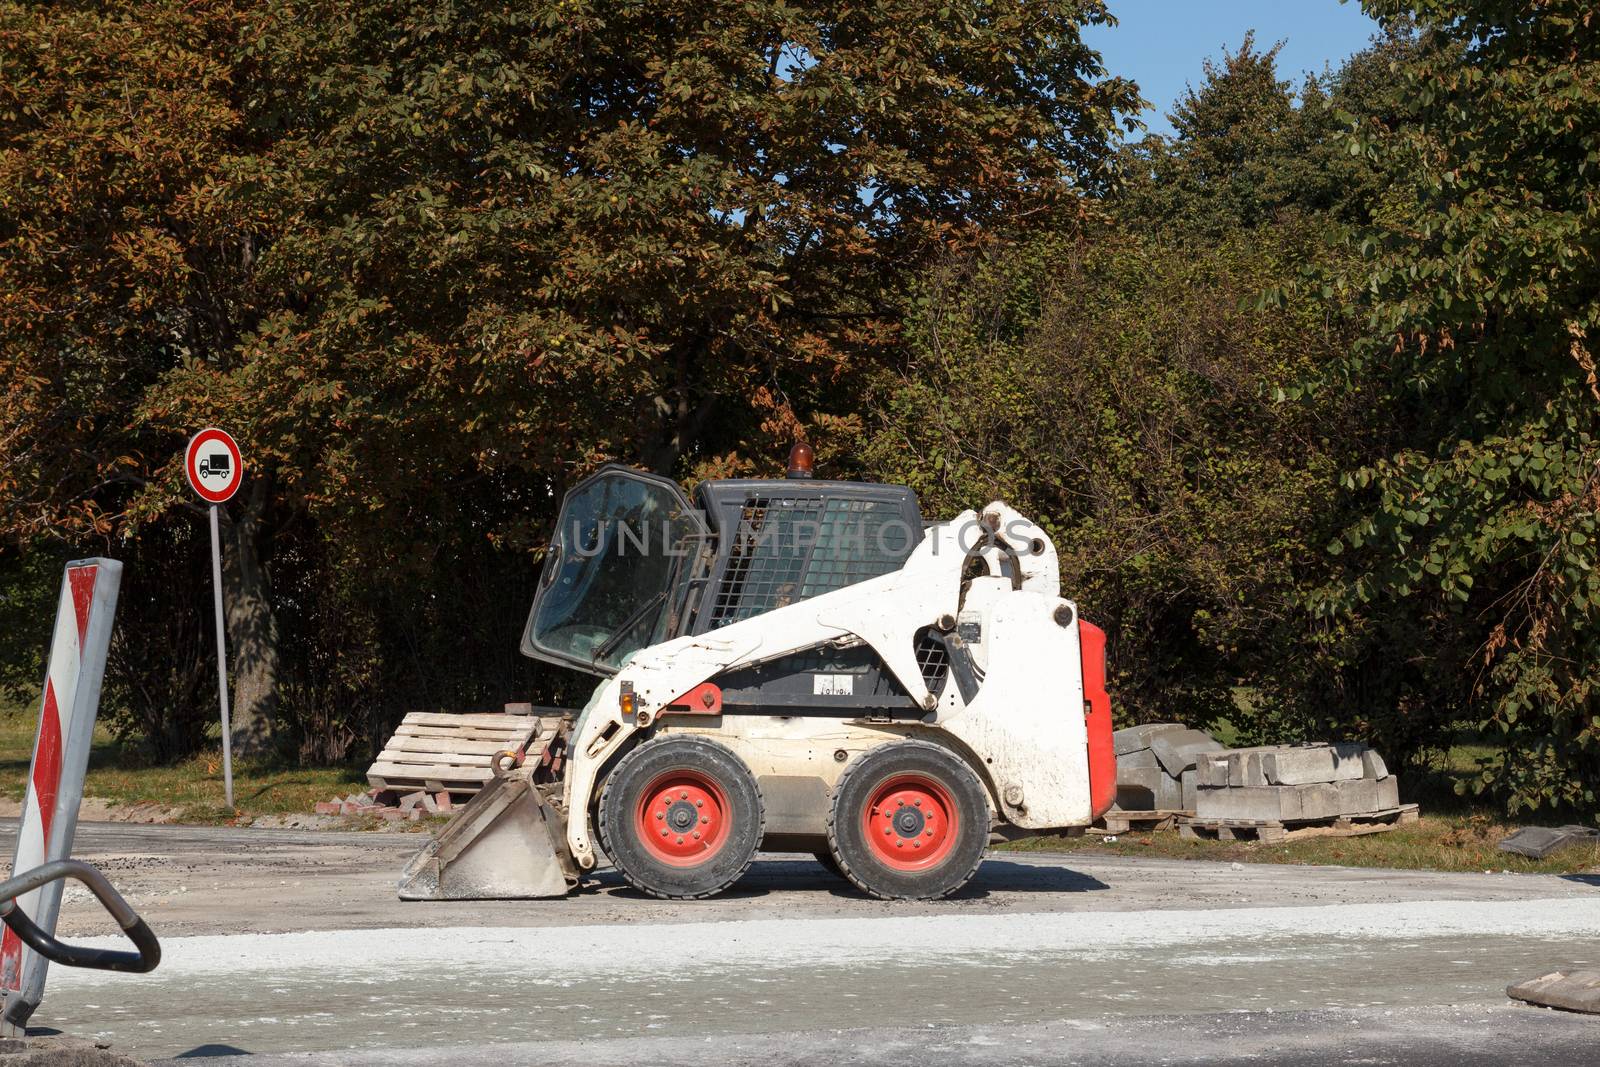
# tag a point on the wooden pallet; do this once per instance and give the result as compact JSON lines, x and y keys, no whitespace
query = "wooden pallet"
{"x":1119,"y":821}
{"x":1353,"y":825}
{"x":439,"y":752}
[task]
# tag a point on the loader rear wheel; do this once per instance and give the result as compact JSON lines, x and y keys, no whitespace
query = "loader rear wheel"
{"x":910,"y":821}
{"x":681,"y":817}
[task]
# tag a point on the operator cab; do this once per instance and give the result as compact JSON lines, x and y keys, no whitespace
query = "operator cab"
{"x":634,"y":563}
{"x":626,"y":548}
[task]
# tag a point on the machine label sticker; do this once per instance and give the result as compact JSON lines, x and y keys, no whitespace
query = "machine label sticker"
{"x":832,"y":685}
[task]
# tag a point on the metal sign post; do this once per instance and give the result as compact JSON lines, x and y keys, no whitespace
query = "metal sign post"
{"x":215,"y":467}
{"x":222,"y":660}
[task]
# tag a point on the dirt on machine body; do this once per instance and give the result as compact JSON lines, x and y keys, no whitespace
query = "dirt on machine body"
{"x":789,"y":664}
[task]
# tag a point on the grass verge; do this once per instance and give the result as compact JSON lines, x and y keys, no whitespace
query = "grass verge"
{"x":190,"y":791}
{"x":1433,"y":843}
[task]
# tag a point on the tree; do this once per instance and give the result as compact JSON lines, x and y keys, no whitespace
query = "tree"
{"x":639,"y":210}
{"x":1248,"y":149}
{"x":1117,"y":388}
{"x":1481,"y":291}
{"x":1230,"y":163}
{"x":118,"y":264}
{"x":432,"y":263}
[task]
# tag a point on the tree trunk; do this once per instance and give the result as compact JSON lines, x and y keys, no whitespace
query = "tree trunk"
{"x":682,"y":422}
{"x":252,"y":628}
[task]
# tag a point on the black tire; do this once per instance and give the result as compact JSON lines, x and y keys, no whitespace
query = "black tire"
{"x":717,"y":795}
{"x":942,"y":785}
{"x":825,"y":858}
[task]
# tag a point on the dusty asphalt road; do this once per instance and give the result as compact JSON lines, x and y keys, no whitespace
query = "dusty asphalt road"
{"x":290,"y":946}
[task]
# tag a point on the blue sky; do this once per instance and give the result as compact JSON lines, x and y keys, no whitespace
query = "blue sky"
{"x":1161,"y":44}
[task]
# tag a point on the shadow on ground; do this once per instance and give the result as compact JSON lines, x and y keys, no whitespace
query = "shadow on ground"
{"x":799,"y":875}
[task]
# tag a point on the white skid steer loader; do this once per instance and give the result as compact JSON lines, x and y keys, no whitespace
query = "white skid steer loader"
{"x":793,"y":665}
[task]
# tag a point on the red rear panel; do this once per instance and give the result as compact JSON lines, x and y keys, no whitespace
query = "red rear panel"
{"x":1097,"y":713}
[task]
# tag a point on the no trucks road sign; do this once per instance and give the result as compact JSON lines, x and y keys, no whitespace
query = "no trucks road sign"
{"x":214,"y":465}
{"x":215,"y":468}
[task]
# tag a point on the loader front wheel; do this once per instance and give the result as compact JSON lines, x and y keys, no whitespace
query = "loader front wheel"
{"x":910,"y":821}
{"x":681,"y":817}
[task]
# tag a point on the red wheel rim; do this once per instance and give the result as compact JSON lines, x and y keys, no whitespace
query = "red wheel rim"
{"x":911,"y":823}
{"x":682,"y":818}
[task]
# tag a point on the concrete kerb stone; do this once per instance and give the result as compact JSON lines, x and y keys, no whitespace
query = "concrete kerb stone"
{"x":1138,"y":788}
{"x":1234,"y":766}
{"x":1567,"y":990}
{"x":1141,"y":758}
{"x":1292,"y":803}
{"x":1136,"y":737}
{"x":1271,"y":803}
{"x":1169,"y":794}
{"x":1178,"y":750}
{"x":1313,"y":765}
{"x":1188,"y":770}
{"x":1247,"y":771}
{"x":1212,"y":771}
{"x":1358,"y":795}
{"x":1190,"y":783}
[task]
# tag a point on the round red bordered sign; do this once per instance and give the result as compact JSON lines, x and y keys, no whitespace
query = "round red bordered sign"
{"x":214,"y":465}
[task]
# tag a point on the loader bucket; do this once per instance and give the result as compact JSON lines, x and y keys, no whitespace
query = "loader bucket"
{"x":505,"y":844}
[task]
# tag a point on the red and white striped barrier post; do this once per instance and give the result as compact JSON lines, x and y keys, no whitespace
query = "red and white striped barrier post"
{"x":84,"y":616}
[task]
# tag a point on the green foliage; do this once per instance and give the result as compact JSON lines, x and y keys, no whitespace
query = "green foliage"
{"x":431,"y":263}
{"x":1481,"y":292}
{"x":29,"y":586}
{"x":1249,"y":150}
{"x":1117,"y":389}
{"x":1128,"y":386}
{"x":1233,"y":162}
{"x":650,"y":229}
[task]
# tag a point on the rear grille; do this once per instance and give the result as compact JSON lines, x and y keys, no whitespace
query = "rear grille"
{"x":933,"y":659}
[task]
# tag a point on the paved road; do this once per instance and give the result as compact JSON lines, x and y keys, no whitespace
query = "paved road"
{"x":291,"y":946}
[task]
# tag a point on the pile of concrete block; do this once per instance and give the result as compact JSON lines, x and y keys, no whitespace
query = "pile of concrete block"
{"x":1157,"y":766}
{"x":1293,"y":783}
{"x":1168,"y":767}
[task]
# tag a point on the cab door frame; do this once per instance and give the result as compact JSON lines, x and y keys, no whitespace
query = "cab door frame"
{"x":678,"y":586}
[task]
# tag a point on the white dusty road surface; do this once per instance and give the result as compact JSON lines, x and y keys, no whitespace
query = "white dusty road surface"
{"x":290,"y":946}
